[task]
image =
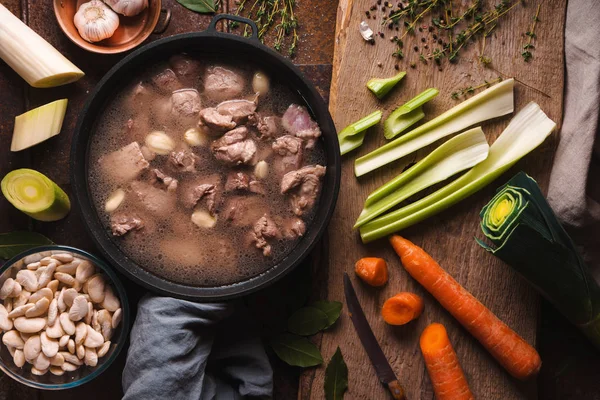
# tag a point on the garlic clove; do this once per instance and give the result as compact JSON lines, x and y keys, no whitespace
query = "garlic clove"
{"x":95,"y":21}
{"x":160,"y":143}
{"x":129,"y":8}
{"x":114,"y":200}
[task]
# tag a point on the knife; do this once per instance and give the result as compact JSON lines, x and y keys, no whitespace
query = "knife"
{"x":383,"y":369}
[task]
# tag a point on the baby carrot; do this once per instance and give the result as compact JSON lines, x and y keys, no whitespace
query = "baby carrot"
{"x":372,"y":270}
{"x":447,"y":377}
{"x":402,"y":308}
{"x":520,"y":359}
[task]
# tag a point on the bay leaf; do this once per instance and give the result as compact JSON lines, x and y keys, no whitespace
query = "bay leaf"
{"x":307,"y":321}
{"x":336,"y":377}
{"x":296,"y":350}
{"x":14,"y":243}
{"x":200,"y":6}
{"x":333,"y":309}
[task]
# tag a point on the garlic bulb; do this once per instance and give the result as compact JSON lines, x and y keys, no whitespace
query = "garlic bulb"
{"x":128,"y":8}
{"x":95,"y":21}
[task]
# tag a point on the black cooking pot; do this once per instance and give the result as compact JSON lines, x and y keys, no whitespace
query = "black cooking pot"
{"x":208,"y":42}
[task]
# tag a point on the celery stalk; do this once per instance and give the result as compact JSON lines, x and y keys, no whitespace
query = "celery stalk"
{"x":526,"y":131}
{"x":491,"y":103}
{"x":352,"y":136}
{"x":381,"y":86}
{"x":457,"y":154}
{"x":408,"y":114}
{"x":37,"y":125}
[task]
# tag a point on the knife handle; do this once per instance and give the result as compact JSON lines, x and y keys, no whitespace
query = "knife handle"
{"x":396,"y":390}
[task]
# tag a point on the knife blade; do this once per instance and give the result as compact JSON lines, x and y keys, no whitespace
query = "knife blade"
{"x":383,"y":369}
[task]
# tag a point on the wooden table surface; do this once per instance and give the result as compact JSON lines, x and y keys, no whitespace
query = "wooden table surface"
{"x":571,"y":366}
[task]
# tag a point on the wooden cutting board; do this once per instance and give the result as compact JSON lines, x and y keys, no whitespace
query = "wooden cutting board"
{"x":448,"y":237}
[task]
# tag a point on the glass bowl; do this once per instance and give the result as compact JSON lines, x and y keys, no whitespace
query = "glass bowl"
{"x":84,"y":373}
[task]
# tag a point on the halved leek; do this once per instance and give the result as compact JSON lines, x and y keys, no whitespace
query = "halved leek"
{"x":38,"y":124}
{"x":408,"y":114}
{"x":352,"y":136}
{"x":35,"y":194}
{"x":457,"y":154}
{"x":526,"y":131}
{"x":491,"y":103}
{"x":381,"y":86}
{"x":40,"y":64}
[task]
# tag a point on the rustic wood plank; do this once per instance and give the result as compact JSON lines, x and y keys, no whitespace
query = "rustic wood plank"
{"x":448,"y":236}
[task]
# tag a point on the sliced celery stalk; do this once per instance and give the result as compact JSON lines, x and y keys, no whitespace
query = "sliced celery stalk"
{"x":457,"y":154}
{"x":491,"y":103}
{"x":408,"y":114}
{"x":38,"y":125}
{"x":526,"y":131}
{"x":352,"y":136}
{"x":381,"y":86}
{"x":35,"y":194}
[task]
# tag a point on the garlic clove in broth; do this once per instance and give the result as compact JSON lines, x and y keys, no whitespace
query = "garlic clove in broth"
{"x":95,"y":21}
{"x":114,"y":200}
{"x":195,"y":138}
{"x":260,"y":83}
{"x":261,"y":169}
{"x":128,"y":8}
{"x":160,"y":143}
{"x":203,"y":219}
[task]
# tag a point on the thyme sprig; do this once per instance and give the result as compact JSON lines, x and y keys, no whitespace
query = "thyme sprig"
{"x":528,"y":47}
{"x":469,"y":90}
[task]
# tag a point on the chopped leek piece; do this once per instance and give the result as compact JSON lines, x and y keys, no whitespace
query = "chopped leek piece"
{"x":527,"y":235}
{"x":35,"y":194}
{"x":408,"y":114}
{"x":40,"y":64}
{"x":38,"y":124}
{"x":381,"y":86}
{"x":491,"y":103}
{"x":457,"y":154}
{"x":352,"y":136}
{"x":526,"y":131}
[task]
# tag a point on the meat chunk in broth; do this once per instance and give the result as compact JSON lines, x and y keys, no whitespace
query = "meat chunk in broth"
{"x":152,"y":199}
{"x":185,"y":103}
{"x":244,"y":211}
{"x":307,"y":183}
{"x":202,"y":189}
{"x":166,"y":81}
{"x":183,"y":160}
{"x":125,"y":164}
{"x":264,"y":229}
{"x":239,"y":110}
{"x":223,"y":84}
{"x":235,"y":148}
{"x":292,"y":228}
{"x":289,"y":150}
{"x":237,"y":181}
{"x":121,"y":223}
{"x":186,"y":68}
{"x":268,"y":127}
{"x":169,"y":182}
{"x":298,"y":122}
{"x":215,"y":120}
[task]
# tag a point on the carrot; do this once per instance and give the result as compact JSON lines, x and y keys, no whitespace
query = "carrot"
{"x":447,"y":377}
{"x":520,"y":359}
{"x":402,"y":308}
{"x":372,"y":270}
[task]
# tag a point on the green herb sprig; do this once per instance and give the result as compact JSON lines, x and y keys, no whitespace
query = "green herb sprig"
{"x":469,"y":90}
{"x":528,"y":47}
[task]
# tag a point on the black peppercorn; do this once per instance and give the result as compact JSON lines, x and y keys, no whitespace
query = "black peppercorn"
{"x":423,"y":39}
{"x":416,"y":48}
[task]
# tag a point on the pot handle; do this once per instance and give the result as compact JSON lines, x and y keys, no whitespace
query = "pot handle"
{"x":212,"y":27}
{"x":162,"y":27}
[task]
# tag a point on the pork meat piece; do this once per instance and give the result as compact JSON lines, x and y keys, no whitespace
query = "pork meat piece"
{"x":289,"y":148}
{"x":121,"y":223}
{"x":125,"y":164}
{"x":304,"y":186}
{"x":183,"y":160}
{"x":263,"y":230}
{"x":166,"y":81}
{"x":186,"y":68}
{"x":234,"y":148}
{"x":185,"y":103}
{"x":292,"y":228}
{"x":237,"y":181}
{"x":222,"y":84}
{"x":215,"y":120}
{"x":169,"y":182}
{"x":157,"y":201}
{"x":244,"y":211}
{"x":239,"y":110}
{"x":297,"y":121}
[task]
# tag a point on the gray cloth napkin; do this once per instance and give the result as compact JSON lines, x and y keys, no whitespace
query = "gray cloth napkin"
{"x":574,"y":191}
{"x":183,"y":350}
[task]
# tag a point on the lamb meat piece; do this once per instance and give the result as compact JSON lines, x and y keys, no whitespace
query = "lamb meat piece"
{"x":121,"y":223}
{"x":307,"y":180}
{"x":186,"y":68}
{"x":183,"y":160}
{"x":205,"y":191}
{"x":257,"y":187}
{"x":263,"y":230}
{"x":205,"y":188}
{"x":157,"y":201}
{"x":237,"y":181}
{"x":268,"y":127}
{"x":234,"y":148}
{"x":292,"y":228}
{"x":222,"y":84}
{"x":185,"y":103}
{"x":239,"y":110}
{"x":166,"y":81}
{"x":244,"y":211}
{"x":297,"y":121}
{"x":215,"y":120}
{"x":169,"y":182}
{"x":125,"y":164}
{"x":291,"y":151}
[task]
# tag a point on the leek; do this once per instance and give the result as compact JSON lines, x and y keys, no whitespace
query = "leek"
{"x":381,"y":86}
{"x":526,"y":131}
{"x":527,"y":235}
{"x":408,"y":114}
{"x":457,"y":154}
{"x":38,"y":124}
{"x":352,"y":136}
{"x":40,"y":64}
{"x":35,"y":194}
{"x":491,"y":103}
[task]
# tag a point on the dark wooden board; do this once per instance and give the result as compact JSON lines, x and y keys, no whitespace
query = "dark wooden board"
{"x":448,"y":237}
